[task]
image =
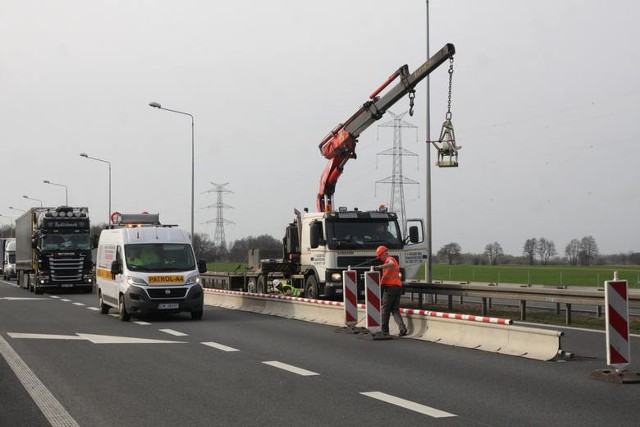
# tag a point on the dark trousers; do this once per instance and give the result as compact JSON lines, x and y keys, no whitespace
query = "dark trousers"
{"x":391,"y":305}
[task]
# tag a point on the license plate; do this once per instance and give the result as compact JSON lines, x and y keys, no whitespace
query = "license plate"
{"x":168,"y":306}
{"x":66,"y":285}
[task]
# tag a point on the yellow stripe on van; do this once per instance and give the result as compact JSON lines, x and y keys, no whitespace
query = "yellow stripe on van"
{"x":104,"y":273}
{"x":166,"y":279}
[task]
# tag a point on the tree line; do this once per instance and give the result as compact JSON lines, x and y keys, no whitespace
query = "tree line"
{"x":541,"y":251}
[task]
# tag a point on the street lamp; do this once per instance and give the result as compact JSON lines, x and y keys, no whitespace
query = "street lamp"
{"x":16,"y":209}
{"x":31,"y":198}
{"x":86,"y":156}
{"x":66,"y":190}
{"x":157,"y":105}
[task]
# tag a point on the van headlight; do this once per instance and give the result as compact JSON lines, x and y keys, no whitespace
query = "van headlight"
{"x":136,"y":281}
{"x":193,"y":280}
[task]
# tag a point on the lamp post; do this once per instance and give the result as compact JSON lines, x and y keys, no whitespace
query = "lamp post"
{"x":427,"y":183}
{"x":16,"y":209}
{"x":86,"y":156}
{"x":157,"y":105}
{"x":66,"y":190}
{"x":31,"y":198}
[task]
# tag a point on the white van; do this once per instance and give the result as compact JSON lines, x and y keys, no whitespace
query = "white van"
{"x":145,"y":267}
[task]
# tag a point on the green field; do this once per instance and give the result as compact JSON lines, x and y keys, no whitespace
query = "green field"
{"x":534,"y":275}
{"x":520,"y":274}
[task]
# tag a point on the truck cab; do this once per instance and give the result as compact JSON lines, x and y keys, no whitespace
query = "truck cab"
{"x":331,"y":242}
{"x":144,"y":267}
{"x":9,"y":262}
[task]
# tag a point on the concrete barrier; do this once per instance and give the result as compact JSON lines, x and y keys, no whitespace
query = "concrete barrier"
{"x":481,"y":333}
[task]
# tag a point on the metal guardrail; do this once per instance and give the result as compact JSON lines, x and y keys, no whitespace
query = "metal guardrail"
{"x":520,"y":293}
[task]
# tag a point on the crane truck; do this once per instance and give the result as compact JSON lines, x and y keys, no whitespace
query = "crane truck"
{"x":319,"y":246}
{"x":53,"y":249}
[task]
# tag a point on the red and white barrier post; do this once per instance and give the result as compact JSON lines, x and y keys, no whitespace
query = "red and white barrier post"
{"x":373,"y":305}
{"x":617,"y":323}
{"x":350,"y":293}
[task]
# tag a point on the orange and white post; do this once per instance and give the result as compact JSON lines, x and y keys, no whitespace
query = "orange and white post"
{"x":617,"y":318}
{"x":350,"y":292}
{"x":372,"y":301}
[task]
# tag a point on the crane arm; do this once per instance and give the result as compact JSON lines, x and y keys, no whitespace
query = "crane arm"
{"x":340,"y":144}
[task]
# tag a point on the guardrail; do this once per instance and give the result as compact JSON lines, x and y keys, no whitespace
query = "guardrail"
{"x":520,"y":293}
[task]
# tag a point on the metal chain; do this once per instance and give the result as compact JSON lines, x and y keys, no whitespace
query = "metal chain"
{"x":448,"y":116}
{"x":412,"y":96}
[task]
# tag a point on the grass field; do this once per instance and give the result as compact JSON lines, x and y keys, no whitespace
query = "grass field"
{"x":535,"y":275}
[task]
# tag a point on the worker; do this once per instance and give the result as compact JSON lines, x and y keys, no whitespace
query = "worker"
{"x":391,"y":284}
{"x":285,"y":288}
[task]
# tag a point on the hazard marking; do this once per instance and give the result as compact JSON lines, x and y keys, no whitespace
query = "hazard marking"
{"x":290,"y":368}
{"x":220,"y":346}
{"x":407,"y":404}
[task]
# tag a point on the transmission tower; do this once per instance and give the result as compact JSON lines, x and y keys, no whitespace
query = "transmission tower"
{"x":397,"y":179}
{"x":219,"y":238}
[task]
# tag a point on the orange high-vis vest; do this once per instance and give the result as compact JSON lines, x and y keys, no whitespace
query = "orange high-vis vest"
{"x":391,"y":275}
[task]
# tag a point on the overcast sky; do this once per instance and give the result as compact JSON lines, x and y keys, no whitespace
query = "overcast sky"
{"x":546,"y":104}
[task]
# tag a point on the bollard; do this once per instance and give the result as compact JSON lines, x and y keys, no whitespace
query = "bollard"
{"x":373,"y":306}
{"x":617,"y":341}
{"x":350,"y":293}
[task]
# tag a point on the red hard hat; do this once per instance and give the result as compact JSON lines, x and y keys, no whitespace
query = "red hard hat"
{"x":381,"y":250}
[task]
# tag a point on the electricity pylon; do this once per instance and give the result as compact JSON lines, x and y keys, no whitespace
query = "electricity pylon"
{"x":218,"y":237}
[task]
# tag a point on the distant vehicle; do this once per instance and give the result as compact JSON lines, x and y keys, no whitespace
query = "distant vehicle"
{"x":53,"y":249}
{"x":145,"y":267}
{"x":9,"y":258}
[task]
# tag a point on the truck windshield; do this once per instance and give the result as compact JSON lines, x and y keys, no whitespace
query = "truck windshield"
{"x":153,"y":257}
{"x":66,"y":242}
{"x":12,"y":258}
{"x":344,"y":234}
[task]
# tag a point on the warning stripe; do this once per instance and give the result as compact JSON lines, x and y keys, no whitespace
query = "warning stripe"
{"x":350,"y":297}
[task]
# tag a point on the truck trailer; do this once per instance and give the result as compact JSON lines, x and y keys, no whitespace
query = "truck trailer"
{"x":53,"y":249}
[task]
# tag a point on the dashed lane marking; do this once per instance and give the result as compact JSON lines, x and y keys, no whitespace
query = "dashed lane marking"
{"x":141,"y":323}
{"x":407,"y":404}
{"x":290,"y":368}
{"x":93,"y":308}
{"x":220,"y":346}
{"x":173,"y":332}
{"x":78,"y":303}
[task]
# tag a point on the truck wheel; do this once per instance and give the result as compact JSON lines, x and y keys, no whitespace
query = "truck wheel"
{"x":196,"y":315}
{"x":260,"y":285}
{"x":251,"y":285}
{"x":104,"y":308}
{"x":122,"y":310}
{"x":311,"y":287}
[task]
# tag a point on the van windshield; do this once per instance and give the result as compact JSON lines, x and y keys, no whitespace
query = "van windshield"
{"x":154,"y":257}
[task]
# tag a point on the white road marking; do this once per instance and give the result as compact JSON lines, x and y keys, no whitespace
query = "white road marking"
{"x":407,"y":404}
{"x":65,"y":300}
{"x":78,"y":303}
{"x":95,"y":339}
{"x":54,"y":296}
{"x":22,"y":299}
{"x":93,"y":308}
{"x":141,"y":323}
{"x":172,"y":332}
{"x":220,"y":346}
{"x":48,"y":404}
{"x":290,"y":368}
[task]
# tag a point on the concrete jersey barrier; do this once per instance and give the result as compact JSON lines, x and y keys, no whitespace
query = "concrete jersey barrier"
{"x":480,"y":333}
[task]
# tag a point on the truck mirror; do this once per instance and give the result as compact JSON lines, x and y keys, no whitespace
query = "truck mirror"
{"x":94,"y":241}
{"x":414,"y":234}
{"x":116,"y":268}
{"x":34,"y":243}
{"x":202,"y":266}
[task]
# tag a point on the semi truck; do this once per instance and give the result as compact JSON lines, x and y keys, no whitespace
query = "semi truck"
{"x":53,"y":249}
{"x":8,"y":258}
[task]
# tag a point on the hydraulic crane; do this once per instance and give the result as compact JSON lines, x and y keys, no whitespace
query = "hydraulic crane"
{"x":340,"y":144}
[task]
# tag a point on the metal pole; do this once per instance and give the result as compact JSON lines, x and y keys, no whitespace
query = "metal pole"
{"x":427,"y":183}
{"x":86,"y":156}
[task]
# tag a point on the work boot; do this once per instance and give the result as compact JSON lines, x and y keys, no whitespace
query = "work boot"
{"x":403,"y":331}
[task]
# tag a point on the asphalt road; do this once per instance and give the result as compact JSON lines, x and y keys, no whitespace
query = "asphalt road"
{"x":239,"y":368}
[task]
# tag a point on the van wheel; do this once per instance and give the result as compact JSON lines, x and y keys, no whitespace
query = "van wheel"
{"x":196,"y":315}
{"x":122,"y":310}
{"x":311,"y":287}
{"x":104,"y":308}
{"x":260,"y":285}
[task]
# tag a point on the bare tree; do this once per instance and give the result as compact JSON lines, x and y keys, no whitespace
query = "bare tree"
{"x":450,"y":251}
{"x":545,"y":249}
{"x":493,"y":251}
{"x":588,"y":250}
{"x":529,"y":250}
{"x":573,"y":251}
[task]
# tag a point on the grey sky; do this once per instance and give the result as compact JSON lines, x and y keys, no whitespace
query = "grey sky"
{"x":546,"y":102}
